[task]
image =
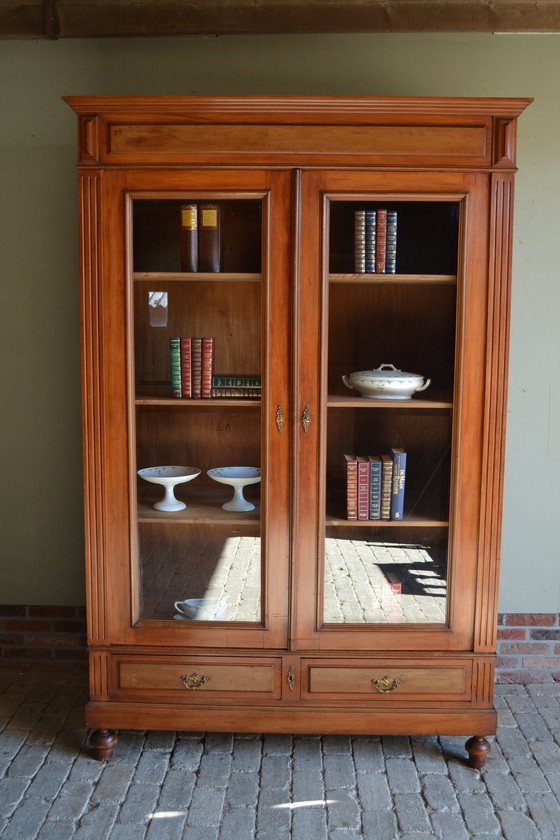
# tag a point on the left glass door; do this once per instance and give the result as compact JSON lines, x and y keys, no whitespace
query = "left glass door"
{"x":201,"y":453}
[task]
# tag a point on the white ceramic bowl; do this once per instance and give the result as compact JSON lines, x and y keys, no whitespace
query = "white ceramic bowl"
{"x":386,"y":383}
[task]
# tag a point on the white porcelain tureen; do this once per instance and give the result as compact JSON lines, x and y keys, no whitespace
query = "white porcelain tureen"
{"x":386,"y":383}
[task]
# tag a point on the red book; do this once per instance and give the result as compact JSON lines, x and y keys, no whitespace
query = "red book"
{"x":351,"y":487}
{"x":207,"y":367}
{"x":363,"y":487}
{"x":381,"y":242}
{"x":186,"y":369}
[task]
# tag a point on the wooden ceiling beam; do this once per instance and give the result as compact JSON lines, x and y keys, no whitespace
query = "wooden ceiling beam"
{"x":31,"y":19}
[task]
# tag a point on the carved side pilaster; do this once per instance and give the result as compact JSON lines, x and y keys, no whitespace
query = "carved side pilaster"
{"x":496,"y":377}
{"x":98,"y":675}
{"x":93,"y":446}
{"x":483,"y":681}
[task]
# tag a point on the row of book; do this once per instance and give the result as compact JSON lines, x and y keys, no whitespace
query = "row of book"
{"x":375,"y":486}
{"x":375,"y":241}
{"x":201,"y":237}
{"x":192,"y":373}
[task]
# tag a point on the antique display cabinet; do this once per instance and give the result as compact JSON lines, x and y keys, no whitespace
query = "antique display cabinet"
{"x":241,"y":258}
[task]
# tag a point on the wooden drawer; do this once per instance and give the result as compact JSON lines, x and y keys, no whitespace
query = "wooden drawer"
{"x":189,"y":678}
{"x":387,"y":680}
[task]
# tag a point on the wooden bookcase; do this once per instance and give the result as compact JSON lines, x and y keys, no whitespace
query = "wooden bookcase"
{"x":295,"y":619}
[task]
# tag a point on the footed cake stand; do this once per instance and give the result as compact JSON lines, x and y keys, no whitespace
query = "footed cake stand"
{"x":168,"y":478}
{"x":238,"y":478}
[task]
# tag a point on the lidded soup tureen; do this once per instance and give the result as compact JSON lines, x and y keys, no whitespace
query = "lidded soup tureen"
{"x":386,"y":383}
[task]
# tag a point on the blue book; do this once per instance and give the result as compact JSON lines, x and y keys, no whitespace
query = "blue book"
{"x":399,"y":478}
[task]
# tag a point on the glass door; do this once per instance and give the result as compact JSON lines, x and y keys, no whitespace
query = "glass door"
{"x":392,"y":543}
{"x":204,"y":448}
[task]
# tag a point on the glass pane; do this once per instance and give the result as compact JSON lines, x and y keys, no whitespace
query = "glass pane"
{"x":392,"y":305}
{"x":197,"y":374}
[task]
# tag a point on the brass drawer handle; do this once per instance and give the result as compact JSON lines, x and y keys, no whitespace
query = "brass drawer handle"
{"x":385,"y":685}
{"x":194,"y":681}
{"x":306,"y":419}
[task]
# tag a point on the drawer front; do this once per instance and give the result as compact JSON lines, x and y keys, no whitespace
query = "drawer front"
{"x":190,"y":678}
{"x":387,"y":680}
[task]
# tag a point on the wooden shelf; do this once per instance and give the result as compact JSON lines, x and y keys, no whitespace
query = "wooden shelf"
{"x":407,"y":522}
{"x":204,"y":507}
{"x":230,"y":402}
{"x":435,"y":279}
{"x":337,"y":401}
{"x":174,"y":277}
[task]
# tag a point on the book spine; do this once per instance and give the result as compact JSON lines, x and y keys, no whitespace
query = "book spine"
{"x":209,"y":238}
{"x":196,"y":367}
{"x":226,"y":381}
{"x":237,"y":393}
{"x":363,"y":488}
{"x":391,"y":244}
{"x":380,"y":242}
{"x":207,"y":367}
{"x":175,"y":366}
{"x":398,"y":484}
{"x":189,"y":237}
{"x":360,"y":241}
{"x":370,"y":240}
{"x":186,"y":370}
{"x":351,"y":487}
{"x":375,"y":487}
{"x":386,"y":485}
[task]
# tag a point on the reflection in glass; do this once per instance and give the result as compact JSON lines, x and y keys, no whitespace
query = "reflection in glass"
{"x":371,"y":582}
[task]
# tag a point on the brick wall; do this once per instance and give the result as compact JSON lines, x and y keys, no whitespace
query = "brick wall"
{"x":528,"y":648}
{"x":528,"y":643}
{"x":49,"y":635}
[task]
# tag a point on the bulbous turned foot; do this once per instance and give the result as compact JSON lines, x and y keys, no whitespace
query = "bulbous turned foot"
{"x":103,"y":743}
{"x":478,"y":748}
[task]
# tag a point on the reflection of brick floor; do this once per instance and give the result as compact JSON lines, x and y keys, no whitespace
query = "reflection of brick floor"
{"x":365,"y":582}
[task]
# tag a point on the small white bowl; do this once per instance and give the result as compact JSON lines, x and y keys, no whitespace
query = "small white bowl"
{"x":168,"y":478}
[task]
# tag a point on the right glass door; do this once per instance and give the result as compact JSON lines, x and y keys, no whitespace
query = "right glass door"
{"x":391,"y":330}
{"x":392,"y":310}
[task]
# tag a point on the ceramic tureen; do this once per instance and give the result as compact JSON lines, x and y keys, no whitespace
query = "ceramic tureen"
{"x":386,"y":383}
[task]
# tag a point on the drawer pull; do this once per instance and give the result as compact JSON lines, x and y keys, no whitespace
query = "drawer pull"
{"x":385,"y":685}
{"x":194,"y":681}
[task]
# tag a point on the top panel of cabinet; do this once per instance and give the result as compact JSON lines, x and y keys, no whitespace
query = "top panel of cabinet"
{"x":297,"y":131}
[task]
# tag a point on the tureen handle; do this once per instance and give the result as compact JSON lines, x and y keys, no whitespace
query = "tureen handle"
{"x":381,"y":367}
{"x":345,"y":380}
{"x":424,"y":386}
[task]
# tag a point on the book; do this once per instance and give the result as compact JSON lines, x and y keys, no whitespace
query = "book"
{"x":237,"y":393}
{"x":386,"y":485}
{"x":186,"y":371}
{"x":209,"y":237}
{"x":380,"y":241}
{"x":207,"y":363}
{"x":363,"y":487}
{"x":360,"y":241}
{"x":196,"y":367}
{"x":223,"y":380}
{"x":391,"y":243}
{"x":189,"y":237}
{"x":370,"y":240}
{"x":351,"y":487}
{"x":175,"y":366}
{"x":398,"y":483}
{"x":375,"y":487}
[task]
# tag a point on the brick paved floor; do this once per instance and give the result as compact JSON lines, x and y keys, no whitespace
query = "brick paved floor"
{"x":170,"y":786}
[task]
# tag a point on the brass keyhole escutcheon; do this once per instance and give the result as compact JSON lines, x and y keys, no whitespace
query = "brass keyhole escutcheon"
{"x":291,"y":677}
{"x":279,"y":419}
{"x":306,"y":419}
{"x":194,"y":681}
{"x":386,"y":684}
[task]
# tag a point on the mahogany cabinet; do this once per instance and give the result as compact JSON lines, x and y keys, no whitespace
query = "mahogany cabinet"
{"x":292,"y":616}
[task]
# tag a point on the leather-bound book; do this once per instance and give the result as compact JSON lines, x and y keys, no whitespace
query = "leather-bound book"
{"x":189,"y":237}
{"x":209,"y":237}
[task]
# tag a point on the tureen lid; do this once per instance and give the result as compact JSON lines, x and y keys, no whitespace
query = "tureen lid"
{"x":387,"y":371}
